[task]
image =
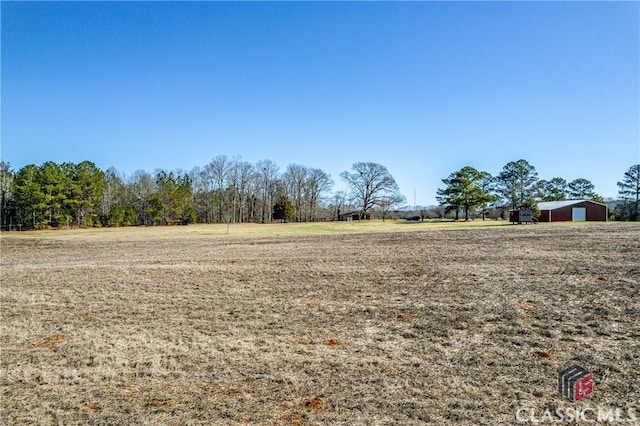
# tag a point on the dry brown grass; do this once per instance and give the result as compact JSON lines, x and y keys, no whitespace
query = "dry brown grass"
{"x":432,"y":326}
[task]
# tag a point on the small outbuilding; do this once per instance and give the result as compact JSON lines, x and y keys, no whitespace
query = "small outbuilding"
{"x":347,"y":216}
{"x":521,"y":216}
{"x":355,"y":215}
{"x":572,"y":211}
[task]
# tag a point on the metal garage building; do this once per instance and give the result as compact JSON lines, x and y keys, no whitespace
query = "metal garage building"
{"x":572,"y":210}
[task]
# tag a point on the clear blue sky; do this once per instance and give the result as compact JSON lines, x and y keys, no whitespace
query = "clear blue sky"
{"x":423,"y":88}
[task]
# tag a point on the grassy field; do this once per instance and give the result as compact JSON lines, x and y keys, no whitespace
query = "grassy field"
{"x":362,"y":323}
{"x":244,"y":230}
{"x":253,"y":229}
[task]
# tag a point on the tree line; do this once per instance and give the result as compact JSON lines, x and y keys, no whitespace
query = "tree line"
{"x":230,"y":190}
{"x":517,"y":186}
{"x":226,"y":190}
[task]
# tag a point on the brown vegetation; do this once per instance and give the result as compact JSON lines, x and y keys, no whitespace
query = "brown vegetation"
{"x":435,"y":326}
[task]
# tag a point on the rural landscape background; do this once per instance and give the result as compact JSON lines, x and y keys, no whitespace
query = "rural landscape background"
{"x":133,"y":113}
{"x":229,"y":190}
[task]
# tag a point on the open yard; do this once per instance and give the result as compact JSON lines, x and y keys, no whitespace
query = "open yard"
{"x":188,"y":325}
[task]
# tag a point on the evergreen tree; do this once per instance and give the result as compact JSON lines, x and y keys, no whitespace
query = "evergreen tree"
{"x":30,"y":196}
{"x":6,"y":197}
{"x":629,"y":191}
{"x":487,"y":184}
{"x":517,"y":185}
{"x":555,"y":189}
{"x":581,"y":189}
{"x":116,"y":215}
{"x":463,"y":191}
{"x":54,"y":181}
{"x":87,"y":188}
{"x":284,"y":209}
{"x":154,"y":210}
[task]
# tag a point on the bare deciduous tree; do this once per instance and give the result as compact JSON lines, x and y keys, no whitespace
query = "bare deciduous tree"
{"x":389,"y":202}
{"x":217,"y":171}
{"x":244,"y":171}
{"x":371,"y":184}
{"x":295,"y":183}
{"x":267,"y":172}
{"x":318,"y":182}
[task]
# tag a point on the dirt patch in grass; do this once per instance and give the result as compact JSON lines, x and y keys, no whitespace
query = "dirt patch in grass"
{"x":51,"y":341}
{"x":314,"y":404}
{"x":461,"y":326}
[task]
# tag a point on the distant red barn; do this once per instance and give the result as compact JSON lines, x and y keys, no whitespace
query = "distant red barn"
{"x":572,"y":211}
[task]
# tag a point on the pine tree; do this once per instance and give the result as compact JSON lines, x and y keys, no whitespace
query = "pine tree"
{"x":517,"y":184}
{"x":464,"y":190}
{"x":581,"y":189}
{"x":629,"y":190}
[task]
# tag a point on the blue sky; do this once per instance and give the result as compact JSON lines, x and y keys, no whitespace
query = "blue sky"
{"x":424,"y":88}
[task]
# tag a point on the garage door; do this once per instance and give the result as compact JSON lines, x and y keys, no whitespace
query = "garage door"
{"x":579,"y":214}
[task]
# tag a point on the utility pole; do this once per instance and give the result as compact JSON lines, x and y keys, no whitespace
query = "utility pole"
{"x":415,"y":207}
